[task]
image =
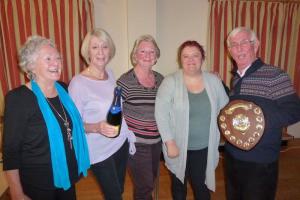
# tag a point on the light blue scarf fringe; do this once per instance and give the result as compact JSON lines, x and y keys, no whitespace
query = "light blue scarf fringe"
{"x":57,"y":149}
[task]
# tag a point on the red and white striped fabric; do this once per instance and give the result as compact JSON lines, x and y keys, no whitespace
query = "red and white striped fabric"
{"x":65,"y":22}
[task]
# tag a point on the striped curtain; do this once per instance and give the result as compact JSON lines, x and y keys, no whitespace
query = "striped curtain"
{"x":64,"y":21}
{"x":277,"y":24}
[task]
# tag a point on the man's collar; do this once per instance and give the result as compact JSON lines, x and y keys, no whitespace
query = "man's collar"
{"x":253,"y":66}
{"x":241,"y":74}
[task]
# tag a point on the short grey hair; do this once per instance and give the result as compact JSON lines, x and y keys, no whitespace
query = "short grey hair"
{"x":143,"y":38}
{"x":101,"y":35}
{"x":237,"y":30}
{"x":29,"y":52}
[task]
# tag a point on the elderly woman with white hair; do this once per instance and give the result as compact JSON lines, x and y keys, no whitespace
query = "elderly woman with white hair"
{"x":44,"y":148}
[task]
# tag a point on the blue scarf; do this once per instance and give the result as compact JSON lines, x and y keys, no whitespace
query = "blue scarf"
{"x":57,"y":149}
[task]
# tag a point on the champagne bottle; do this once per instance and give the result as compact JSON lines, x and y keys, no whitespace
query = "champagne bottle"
{"x":114,"y":115}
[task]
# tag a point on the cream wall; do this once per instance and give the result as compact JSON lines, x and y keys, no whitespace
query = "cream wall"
{"x":170,"y":21}
{"x":177,"y":22}
{"x":111,"y":15}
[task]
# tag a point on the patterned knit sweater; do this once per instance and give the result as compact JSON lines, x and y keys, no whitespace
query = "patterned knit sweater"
{"x":271,"y":89}
{"x":138,"y":106}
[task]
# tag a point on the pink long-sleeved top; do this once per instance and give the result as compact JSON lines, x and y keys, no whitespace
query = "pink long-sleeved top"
{"x":93,"y":99}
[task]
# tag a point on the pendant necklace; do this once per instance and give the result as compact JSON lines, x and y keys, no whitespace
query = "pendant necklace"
{"x":65,"y":120}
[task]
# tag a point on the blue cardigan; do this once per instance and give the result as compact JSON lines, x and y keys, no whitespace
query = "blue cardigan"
{"x":172,"y":117}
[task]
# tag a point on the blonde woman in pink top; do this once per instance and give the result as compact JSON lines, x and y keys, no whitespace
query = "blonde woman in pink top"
{"x":92,"y":91}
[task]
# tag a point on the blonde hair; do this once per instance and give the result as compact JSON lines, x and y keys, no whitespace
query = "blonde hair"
{"x":101,"y":35}
{"x":143,"y":38}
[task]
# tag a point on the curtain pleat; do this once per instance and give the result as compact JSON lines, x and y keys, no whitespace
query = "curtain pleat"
{"x":64,"y":21}
{"x":277,"y":24}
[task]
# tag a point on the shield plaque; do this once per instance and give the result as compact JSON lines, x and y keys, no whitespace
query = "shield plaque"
{"x":242,"y":123}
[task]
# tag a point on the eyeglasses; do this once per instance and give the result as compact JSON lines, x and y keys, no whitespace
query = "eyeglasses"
{"x":242,"y":44}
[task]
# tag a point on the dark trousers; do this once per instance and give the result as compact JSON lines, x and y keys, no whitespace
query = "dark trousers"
{"x":249,"y":180}
{"x":195,"y":172}
{"x":56,"y":194}
{"x":144,"y":165}
{"x":111,"y":172}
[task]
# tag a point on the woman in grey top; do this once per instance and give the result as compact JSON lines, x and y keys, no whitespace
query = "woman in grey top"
{"x":186,"y":109}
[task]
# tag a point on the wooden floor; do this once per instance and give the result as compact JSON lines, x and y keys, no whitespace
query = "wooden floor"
{"x":288,"y":185}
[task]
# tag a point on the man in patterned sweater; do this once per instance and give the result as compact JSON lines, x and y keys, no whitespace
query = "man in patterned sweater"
{"x":253,"y":174}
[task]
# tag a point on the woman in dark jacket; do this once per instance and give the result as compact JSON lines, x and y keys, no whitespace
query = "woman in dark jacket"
{"x":44,"y":148}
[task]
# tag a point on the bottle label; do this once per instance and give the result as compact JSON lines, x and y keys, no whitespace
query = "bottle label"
{"x":118,"y":128}
{"x":115,"y":109}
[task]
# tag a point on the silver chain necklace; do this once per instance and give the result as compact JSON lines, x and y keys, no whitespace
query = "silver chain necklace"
{"x":65,"y":120}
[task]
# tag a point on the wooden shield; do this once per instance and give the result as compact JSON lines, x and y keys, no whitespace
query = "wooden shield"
{"x":242,"y":123}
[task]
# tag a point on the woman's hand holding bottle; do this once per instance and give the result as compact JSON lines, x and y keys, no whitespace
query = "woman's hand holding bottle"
{"x":107,"y":130}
